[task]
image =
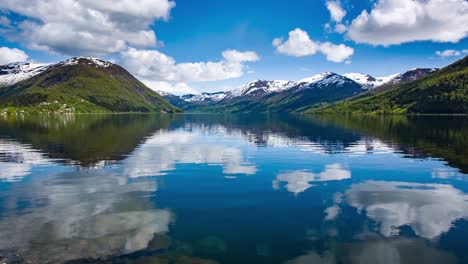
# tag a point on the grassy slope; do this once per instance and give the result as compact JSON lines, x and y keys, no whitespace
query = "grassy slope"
{"x":87,"y":89}
{"x":445,"y":92}
{"x":83,"y":139}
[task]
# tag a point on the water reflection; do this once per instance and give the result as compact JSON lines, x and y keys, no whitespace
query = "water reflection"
{"x":217,"y":189}
{"x":191,"y":145}
{"x":17,"y":160}
{"x":429,"y":209}
{"x":79,"y":214}
{"x":299,"y":181}
{"x":379,"y":251}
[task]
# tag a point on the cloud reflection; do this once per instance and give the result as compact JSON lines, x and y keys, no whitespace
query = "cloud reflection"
{"x":430,"y":209}
{"x":164,"y":150}
{"x":299,"y":181}
{"x":378,"y":251}
{"x":77,"y":215}
{"x":17,"y":160}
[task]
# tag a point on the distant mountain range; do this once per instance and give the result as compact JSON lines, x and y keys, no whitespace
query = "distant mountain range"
{"x":441,"y":92}
{"x":80,"y":84}
{"x":86,"y":84}
{"x":309,"y":93}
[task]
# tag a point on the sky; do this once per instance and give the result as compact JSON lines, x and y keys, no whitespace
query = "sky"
{"x":186,"y":46}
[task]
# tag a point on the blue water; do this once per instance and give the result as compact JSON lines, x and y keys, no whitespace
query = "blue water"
{"x":233,"y":189}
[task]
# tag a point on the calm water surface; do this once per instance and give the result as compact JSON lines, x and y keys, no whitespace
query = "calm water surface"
{"x":233,"y":189}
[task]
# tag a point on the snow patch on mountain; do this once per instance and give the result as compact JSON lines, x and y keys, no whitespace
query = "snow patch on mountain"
{"x":86,"y":60}
{"x":323,"y":80}
{"x":410,"y":75}
{"x":19,"y":71}
{"x":367,"y":81}
{"x":316,"y":78}
{"x":260,"y":87}
{"x":204,"y":97}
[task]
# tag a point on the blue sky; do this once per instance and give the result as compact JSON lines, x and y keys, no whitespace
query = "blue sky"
{"x":178,"y":45}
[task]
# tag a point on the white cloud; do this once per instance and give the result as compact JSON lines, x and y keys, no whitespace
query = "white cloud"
{"x":340,"y":28}
{"x":299,"y":44}
{"x":393,"y":22}
{"x":8,"y":55}
{"x":336,"y":53}
{"x":337,"y":12}
{"x":87,"y":27}
{"x":173,"y":88}
{"x":451,"y":53}
{"x":299,"y":181}
{"x":156,"y":66}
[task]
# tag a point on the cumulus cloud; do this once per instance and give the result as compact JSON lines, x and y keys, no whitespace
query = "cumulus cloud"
{"x":392,"y":22}
{"x":8,"y":55}
{"x":451,"y":53}
{"x":157,"y":66}
{"x":299,"y":44}
{"x":337,"y":13}
{"x":87,"y":27}
{"x":173,"y":88}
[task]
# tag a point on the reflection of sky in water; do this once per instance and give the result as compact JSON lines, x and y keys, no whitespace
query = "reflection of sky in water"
{"x":331,"y":202}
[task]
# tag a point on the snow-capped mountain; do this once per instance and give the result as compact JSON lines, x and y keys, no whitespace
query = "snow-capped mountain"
{"x":410,"y":76}
{"x":204,"y":98}
{"x":324,"y":80}
{"x":80,"y":84}
{"x":367,"y":81}
{"x":20,"y":71}
{"x":259,"y":88}
{"x":96,"y":62}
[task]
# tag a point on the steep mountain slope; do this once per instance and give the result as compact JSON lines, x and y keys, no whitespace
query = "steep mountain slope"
{"x":402,"y":78}
{"x":83,"y":84}
{"x":16,"y":72}
{"x":443,"y":92}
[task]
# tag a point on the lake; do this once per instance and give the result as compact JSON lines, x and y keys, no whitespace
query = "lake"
{"x":233,"y":189}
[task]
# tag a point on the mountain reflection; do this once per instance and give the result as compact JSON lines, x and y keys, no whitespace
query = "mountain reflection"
{"x":90,"y":140}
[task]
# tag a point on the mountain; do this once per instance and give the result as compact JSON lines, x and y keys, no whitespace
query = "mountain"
{"x":80,"y":84}
{"x":204,"y":98}
{"x":16,"y":72}
{"x":402,"y":78}
{"x":442,"y":92}
{"x":259,"y":88}
{"x":308,"y":94}
{"x":367,"y":81}
{"x":286,"y":96}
